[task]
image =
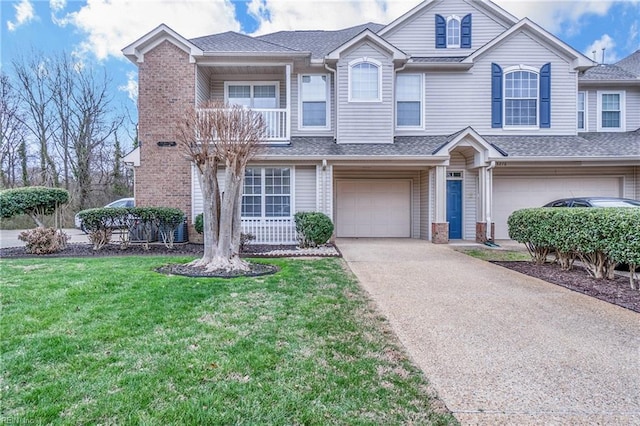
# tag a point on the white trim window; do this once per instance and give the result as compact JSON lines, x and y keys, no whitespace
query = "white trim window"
{"x":521,"y":97}
{"x":453,"y":31}
{"x":365,"y":80}
{"x":258,"y":94}
{"x":267,"y":192}
{"x":409,"y":94}
{"x":314,"y":105}
{"x":582,"y":111}
{"x":611,"y":111}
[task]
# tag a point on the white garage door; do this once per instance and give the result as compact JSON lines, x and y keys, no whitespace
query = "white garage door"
{"x":373,"y":208}
{"x":511,"y":194}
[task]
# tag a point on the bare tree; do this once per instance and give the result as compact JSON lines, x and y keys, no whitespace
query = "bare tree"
{"x":36,"y":99}
{"x":220,"y":135}
{"x":12,"y":134}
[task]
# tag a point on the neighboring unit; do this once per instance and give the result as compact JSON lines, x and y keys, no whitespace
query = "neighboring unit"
{"x":436,"y":126}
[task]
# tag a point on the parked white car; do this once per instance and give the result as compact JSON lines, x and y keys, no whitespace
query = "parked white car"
{"x":123,"y":202}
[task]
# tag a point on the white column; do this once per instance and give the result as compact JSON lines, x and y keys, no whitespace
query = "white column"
{"x":482,"y":195}
{"x":288,"y":84}
{"x":441,"y":194}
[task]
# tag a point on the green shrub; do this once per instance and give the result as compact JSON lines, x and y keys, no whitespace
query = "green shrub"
{"x":599,"y":237}
{"x":34,"y":201}
{"x":43,"y":240}
{"x":313,"y":228}
{"x":199,"y":223}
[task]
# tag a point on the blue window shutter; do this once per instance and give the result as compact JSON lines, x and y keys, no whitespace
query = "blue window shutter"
{"x":465,"y":32}
{"x":441,"y":32}
{"x":496,"y":96}
{"x":545,"y":96}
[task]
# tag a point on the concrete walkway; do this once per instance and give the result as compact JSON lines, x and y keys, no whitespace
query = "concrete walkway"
{"x":500,"y":347}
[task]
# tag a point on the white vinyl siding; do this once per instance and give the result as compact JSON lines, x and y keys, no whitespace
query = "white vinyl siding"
{"x":305,"y":188}
{"x":445,"y":114}
{"x":371,"y":122}
{"x":416,"y":36}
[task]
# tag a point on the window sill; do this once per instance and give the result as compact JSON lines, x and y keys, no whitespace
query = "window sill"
{"x":520,"y":128}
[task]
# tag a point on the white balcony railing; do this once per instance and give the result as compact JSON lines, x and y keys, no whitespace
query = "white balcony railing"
{"x":277,"y":123}
{"x":271,"y":230}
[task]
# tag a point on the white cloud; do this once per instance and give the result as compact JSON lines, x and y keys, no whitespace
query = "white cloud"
{"x":131,"y":87}
{"x":24,"y":15}
{"x":633,"y":41}
{"x":278,"y":15}
{"x":606,"y":42}
{"x":57,"y":5}
{"x":110,"y":25}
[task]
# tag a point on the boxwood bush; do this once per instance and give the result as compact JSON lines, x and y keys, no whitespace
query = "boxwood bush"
{"x":599,"y":237}
{"x":313,"y":228}
{"x":101,"y":222}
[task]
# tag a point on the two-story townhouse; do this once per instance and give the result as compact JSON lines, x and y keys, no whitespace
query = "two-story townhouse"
{"x":435,"y":126}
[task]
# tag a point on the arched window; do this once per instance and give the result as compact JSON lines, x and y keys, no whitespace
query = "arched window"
{"x":453,"y":31}
{"x":364,"y":80}
{"x":521,"y":96}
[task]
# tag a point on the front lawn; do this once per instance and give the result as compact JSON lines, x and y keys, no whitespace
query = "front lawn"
{"x":110,"y":341}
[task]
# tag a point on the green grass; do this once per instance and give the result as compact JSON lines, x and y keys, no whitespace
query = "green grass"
{"x":495,"y":255}
{"x":110,"y":341}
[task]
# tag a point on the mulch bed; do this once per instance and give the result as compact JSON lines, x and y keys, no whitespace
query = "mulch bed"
{"x":616,"y":291}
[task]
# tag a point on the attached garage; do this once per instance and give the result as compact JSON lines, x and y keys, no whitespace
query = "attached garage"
{"x":373,"y":208}
{"x":513,"y":193}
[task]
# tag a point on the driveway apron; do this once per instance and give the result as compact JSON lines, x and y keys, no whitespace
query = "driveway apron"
{"x":500,"y":347}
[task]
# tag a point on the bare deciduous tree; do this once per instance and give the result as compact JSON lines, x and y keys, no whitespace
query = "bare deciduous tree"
{"x":12,"y":134}
{"x":214,"y":136}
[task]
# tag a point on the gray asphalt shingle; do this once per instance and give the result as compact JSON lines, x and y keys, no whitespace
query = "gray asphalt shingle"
{"x":236,"y":42}
{"x":607,"y":72}
{"x":631,"y":63}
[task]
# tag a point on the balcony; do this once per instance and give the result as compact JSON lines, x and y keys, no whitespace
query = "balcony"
{"x":277,"y":121}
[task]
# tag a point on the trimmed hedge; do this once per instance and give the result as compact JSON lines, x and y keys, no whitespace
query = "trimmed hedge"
{"x":34,"y":201}
{"x":313,"y":228}
{"x":101,"y":221}
{"x":600,"y":237}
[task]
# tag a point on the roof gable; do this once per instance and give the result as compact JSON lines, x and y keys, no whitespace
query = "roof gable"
{"x":487,"y":6}
{"x":578,"y":60}
{"x":136,"y":50}
{"x":367,"y":34}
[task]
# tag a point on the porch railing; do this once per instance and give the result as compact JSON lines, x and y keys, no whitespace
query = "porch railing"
{"x":276,"y":121}
{"x":271,"y":230}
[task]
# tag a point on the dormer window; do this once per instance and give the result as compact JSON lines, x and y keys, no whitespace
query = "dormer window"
{"x":453,"y":32}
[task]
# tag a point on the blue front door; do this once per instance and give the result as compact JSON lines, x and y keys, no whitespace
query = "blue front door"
{"x":454,"y":209}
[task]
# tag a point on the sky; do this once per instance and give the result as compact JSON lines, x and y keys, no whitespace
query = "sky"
{"x":95,"y":31}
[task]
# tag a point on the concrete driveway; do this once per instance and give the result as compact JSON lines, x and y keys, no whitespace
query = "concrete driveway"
{"x":500,"y":347}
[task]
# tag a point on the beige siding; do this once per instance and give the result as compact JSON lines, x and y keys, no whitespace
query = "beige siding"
{"x":417,"y":36}
{"x":365,"y":122}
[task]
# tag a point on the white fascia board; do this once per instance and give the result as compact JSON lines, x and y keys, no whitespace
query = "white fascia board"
{"x":618,"y":161}
{"x":135,"y":51}
{"x":398,"y":55}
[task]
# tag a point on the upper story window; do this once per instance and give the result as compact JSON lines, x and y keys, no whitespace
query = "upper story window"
{"x":453,"y":32}
{"x":520,"y":97}
{"x":611,"y":111}
{"x":252,"y":94}
{"x":409,"y":95}
{"x":314,"y":111}
{"x":582,"y":111}
{"x":266,"y":192}
{"x":365,"y":80}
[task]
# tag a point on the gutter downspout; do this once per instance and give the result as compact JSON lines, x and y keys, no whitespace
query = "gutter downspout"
{"x":489,"y":198}
{"x":335,"y":98}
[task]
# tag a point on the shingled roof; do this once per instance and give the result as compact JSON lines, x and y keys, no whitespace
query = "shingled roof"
{"x":616,"y":145}
{"x":318,"y":42}
{"x":236,"y":42}
{"x":631,"y":63}
{"x":625,"y":69}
